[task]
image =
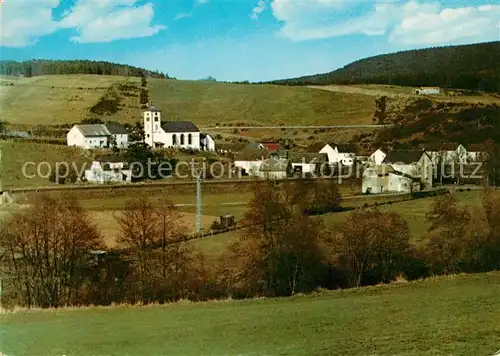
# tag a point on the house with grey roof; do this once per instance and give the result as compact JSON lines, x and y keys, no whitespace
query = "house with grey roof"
{"x":276,"y":169}
{"x":98,"y":136}
{"x":176,"y":134}
{"x":415,"y":163}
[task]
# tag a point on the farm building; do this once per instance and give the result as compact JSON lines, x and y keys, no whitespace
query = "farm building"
{"x":97,"y":136}
{"x":384,"y":178}
{"x":181,"y":134}
{"x":337,"y":153}
{"x":250,"y":159}
{"x":414,"y":163}
{"x":273,"y":168}
{"x":307,"y":162}
{"x":107,"y":169}
{"x":377,"y":157}
{"x":427,"y":91}
{"x":450,"y":153}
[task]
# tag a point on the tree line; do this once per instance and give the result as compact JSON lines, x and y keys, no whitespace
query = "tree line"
{"x":51,"y":253}
{"x":36,"y":67}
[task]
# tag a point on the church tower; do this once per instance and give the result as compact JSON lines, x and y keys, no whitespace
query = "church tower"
{"x":152,"y":125}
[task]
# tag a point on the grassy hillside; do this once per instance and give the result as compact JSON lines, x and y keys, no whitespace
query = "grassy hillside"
{"x":473,"y":67}
{"x":456,"y":315}
{"x":61,"y":99}
{"x":208,"y":103}
{"x":15,"y":155}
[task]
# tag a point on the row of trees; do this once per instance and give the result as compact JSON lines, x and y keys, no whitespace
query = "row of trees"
{"x":50,"y":253}
{"x":48,"y":67}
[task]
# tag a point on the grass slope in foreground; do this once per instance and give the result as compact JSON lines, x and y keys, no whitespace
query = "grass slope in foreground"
{"x":456,"y":315}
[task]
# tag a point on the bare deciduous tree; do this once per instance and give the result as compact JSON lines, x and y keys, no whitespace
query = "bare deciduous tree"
{"x":47,"y":248}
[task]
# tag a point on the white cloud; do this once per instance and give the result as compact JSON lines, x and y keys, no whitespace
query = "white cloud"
{"x":183,"y":15}
{"x":95,"y":21}
{"x":468,"y":23}
{"x":22,"y":23}
{"x":411,"y":22}
{"x":258,"y":9}
{"x":109,"y":20}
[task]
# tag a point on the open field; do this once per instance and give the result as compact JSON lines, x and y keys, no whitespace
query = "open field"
{"x":60,"y":99}
{"x":15,"y":155}
{"x":393,"y":90}
{"x":413,"y":211}
{"x":453,"y":315}
{"x":209,"y":103}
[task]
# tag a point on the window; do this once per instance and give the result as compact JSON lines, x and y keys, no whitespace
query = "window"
{"x":147,"y":135}
{"x":182,"y":139}
{"x":156,"y":119}
{"x":147,"y":119}
{"x":189,"y":139}
{"x":174,"y":139}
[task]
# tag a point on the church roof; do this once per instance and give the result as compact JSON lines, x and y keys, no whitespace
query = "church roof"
{"x":179,"y":126}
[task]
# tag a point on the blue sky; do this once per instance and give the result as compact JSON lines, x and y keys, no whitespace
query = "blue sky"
{"x":239,"y":39}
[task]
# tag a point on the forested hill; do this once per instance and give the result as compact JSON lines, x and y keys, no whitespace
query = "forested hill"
{"x":50,"y":67}
{"x":474,"y":67}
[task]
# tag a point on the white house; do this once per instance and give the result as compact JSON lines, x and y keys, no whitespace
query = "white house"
{"x":307,"y":162}
{"x":413,"y":163}
{"x":384,"y":178}
{"x":377,"y":157}
{"x":108,"y":169}
{"x":180,"y":134}
{"x":97,"y":136}
{"x":427,"y":91}
{"x":207,"y":143}
{"x":453,"y":153}
{"x":339,"y":154}
{"x":119,"y":135}
{"x":249,"y":160}
{"x":88,"y":136}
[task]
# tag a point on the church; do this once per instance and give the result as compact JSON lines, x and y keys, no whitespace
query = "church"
{"x":180,"y":134}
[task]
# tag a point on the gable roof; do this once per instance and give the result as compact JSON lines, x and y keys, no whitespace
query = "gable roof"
{"x":316,"y":147}
{"x":306,"y":157}
{"x":275,"y":165}
{"x":347,"y":148}
{"x":251,"y":154}
{"x":474,"y":147}
{"x":96,"y":130}
{"x":115,"y":128}
{"x":179,"y":126}
{"x":271,"y":146}
{"x":403,"y":156}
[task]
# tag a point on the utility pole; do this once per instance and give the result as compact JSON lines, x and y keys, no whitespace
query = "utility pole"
{"x":199,"y":209}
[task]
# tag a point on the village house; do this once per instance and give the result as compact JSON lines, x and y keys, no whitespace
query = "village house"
{"x":249,"y":160}
{"x":108,"y":169}
{"x":337,"y":153}
{"x":384,"y":178}
{"x":450,"y":153}
{"x":307,"y":162}
{"x":427,"y":91}
{"x":275,"y":169}
{"x":98,"y":136}
{"x":377,"y":157}
{"x":413,"y":163}
{"x":179,"y":134}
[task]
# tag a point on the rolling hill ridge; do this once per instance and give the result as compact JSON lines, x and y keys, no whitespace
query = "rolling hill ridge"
{"x":473,"y":67}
